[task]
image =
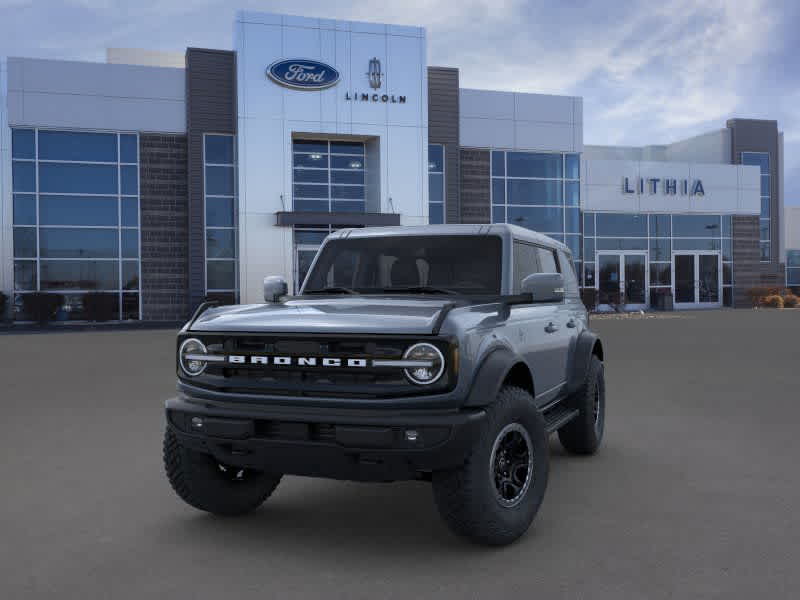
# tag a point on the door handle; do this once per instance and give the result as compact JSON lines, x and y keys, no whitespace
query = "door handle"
{"x":551,"y":327}
{"x":571,"y":323}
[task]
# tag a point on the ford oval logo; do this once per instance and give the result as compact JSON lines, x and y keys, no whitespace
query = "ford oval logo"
{"x":303,"y":74}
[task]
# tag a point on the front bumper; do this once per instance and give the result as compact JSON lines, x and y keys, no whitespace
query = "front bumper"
{"x":364,"y":445}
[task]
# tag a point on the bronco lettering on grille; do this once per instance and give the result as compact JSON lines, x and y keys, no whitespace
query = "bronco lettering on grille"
{"x":300,"y":361}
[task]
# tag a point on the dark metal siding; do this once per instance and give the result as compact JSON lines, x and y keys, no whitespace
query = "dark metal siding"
{"x":210,"y":108}
{"x":443,"y":115}
{"x":475,"y":199}
{"x":746,"y":254}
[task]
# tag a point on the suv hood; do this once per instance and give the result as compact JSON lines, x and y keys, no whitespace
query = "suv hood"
{"x":374,"y":315}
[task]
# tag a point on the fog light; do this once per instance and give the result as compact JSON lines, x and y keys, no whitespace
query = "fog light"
{"x":197,"y":422}
{"x":411,"y":435}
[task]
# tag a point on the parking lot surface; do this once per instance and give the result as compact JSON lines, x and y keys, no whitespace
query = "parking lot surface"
{"x":695,"y":493}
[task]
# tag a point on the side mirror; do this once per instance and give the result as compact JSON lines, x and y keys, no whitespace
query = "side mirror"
{"x":274,"y":288}
{"x":544,"y":287}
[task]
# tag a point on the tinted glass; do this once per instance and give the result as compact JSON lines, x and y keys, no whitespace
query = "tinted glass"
{"x":311,"y":205}
{"x":621,"y":243}
{"x":310,"y":237}
{"x":310,"y":191}
{"x":77,"y":210}
{"x":765,"y":250}
{"x":498,"y":163}
{"x":498,"y":191}
{"x":23,"y":176}
{"x":130,"y":275}
{"x":660,"y":249}
{"x":765,"y":185}
{"x":696,"y":225}
{"x":529,"y":164}
{"x":574,"y":244}
{"x":573,"y":166}
{"x":498,"y":214}
{"x":23,"y":143}
{"x":347,"y":192}
{"x":219,"y":149}
{"x":435,"y":158}
{"x":128,"y":149}
{"x":530,"y":191}
{"x":436,"y":188}
{"x":347,"y":148}
{"x":78,"y":243}
{"x":727,"y":249}
{"x":312,"y":175}
{"x":572,"y":223}
{"x":130,"y":243}
{"x":588,"y":249}
{"x":317,"y":161}
{"x":310,"y":146}
{"x":219,"y":181}
{"x":436,"y":214}
{"x":347,"y":206}
{"x":727,"y":226}
{"x":588,"y":274}
{"x":357,"y":177}
{"x":79,"y":275}
{"x":793,"y":258}
{"x":130,"y":307}
{"x":304,"y":260}
{"x":660,"y":226}
{"x":543,"y":219}
{"x":74,"y":145}
{"x":759,"y":159}
{"x":764,"y":229}
{"x":547,"y":260}
{"x":77,"y":179}
{"x":661,"y":274}
{"x":219,"y":212}
{"x":572,"y":190}
{"x":130,"y":212}
{"x":727,"y":274}
{"x":129,"y":183}
{"x":25,"y":242}
{"x":765,"y":207}
{"x":346,"y":162}
{"x":24,"y":209}
{"x":623,"y":225}
{"x":588,"y":224}
{"x":695,"y":244}
{"x":220,"y":243}
{"x":221,"y":274}
{"x":466,"y":264}
{"x":24,"y":275}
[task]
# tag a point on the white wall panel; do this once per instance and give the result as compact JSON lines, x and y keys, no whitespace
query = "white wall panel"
{"x":486,"y":133}
{"x":486,"y":104}
{"x":6,"y":204}
{"x":540,"y":135}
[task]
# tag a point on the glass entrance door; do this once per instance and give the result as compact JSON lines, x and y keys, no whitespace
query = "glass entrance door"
{"x":697,"y":279}
{"x":622,"y":280}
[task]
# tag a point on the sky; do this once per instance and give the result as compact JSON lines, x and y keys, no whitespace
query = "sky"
{"x":649,"y":72}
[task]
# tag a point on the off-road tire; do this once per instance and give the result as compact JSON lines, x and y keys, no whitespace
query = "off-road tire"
{"x":467,"y":496}
{"x":200,"y":481}
{"x":584,"y":433}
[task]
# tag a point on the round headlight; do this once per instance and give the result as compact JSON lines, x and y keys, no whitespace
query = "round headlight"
{"x":190,"y":357}
{"x":431,"y":364}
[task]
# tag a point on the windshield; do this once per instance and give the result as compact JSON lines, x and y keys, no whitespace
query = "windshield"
{"x":442,"y":264}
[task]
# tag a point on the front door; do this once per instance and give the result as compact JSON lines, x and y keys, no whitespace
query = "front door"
{"x":622,"y":280}
{"x":697,"y":279}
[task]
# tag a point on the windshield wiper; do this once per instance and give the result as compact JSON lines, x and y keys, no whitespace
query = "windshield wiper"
{"x":332,"y":290}
{"x":421,"y":289}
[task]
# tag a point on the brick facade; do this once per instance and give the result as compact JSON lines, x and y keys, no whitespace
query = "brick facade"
{"x":475,"y":182}
{"x":164,"y":227}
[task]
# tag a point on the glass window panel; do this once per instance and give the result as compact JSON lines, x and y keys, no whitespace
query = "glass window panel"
{"x":547,"y":260}
{"x":763,"y":229}
{"x":219,"y":149}
{"x":759,"y":159}
{"x":348,"y":206}
{"x":315,"y":160}
{"x":129,"y":183}
{"x":77,"y":210}
{"x":25,"y":242}
{"x":532,"y":164}
{"x":358,"y":177}
{"x":312,"y":175}
{"x":527,"y":191}
{"x":311,"y":205}
{"x":572,"y":220}
{"x":526,"y":262}
{"x":588,"y":224}
{"x":220,"y":243}
{"x":435,"y":158}
{"x":79,"y":275}
{"x":574,"y":243}
{"x":304,"y":260}
{"x":660,"y":226}
{"x":621,"y":244}
{"x":130,"y":274}
{"x":436,"y":213}
{"x":344,"y":162}
{"x":766,"y":251}
{"x":130,"y":307}
{"x":696,"y":225}
{"x":793,"y":277}
{"x":221,"y":275}
{"x":310,"y":146}
{"x":727,"y":226}
{"x":498,"y":163}
{"x":661,"y":274}
{"x":219,"y":181}
{"x":588,"y":274}
{"x":793,"y":258}
{"x":23,"y":176}
{"x":23,"y":143}
{"x":660,"y":249}
{"x":727,"y":297}
{"x":310,"y":191}
{"x":727,"y":273}
{"x":56,"y":242}
{"x":559,"y":237}
{"x":498,"y":214}
{"x":347,"y":148}
{"x":24,"y":209}
{"x":130,"y":243}
{"x":314,"y":238}
{"x":695,"y":244}
{"x":498,"y":191}
{"x":625,"y":225}
{"x":130,"y":212}
{"x":588,"y":249}
{"x":765,"y":208}
{"x":572,"y":190}
{"x":77,"y":179}
{"x":219,"y":212}
{"x":77,"y":145}
{"x":765,"y":185}
{"x":25,"y":275}
{"x":543,"y":219}
{"x":573,"y":166}
{"x":128,"y":148}
{"x":347,"y":192}
{"x":436,"y":187}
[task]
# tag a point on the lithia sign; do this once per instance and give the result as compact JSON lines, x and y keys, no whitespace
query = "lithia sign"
{"x":306,"y":74}
{"x":667,"y":186}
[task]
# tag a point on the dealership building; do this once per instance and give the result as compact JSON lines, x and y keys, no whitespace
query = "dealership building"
{"x":166,"y":179}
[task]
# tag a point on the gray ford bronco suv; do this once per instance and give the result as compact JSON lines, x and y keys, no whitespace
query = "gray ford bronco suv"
{"x":445,"y":353}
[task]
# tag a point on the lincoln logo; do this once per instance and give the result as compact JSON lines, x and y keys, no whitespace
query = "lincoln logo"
{"x":300,"y":361}
{"x":301,"y":74}
{"x":374,"y":74}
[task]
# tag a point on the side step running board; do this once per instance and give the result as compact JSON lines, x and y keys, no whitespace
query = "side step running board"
{"x":559,"y":416}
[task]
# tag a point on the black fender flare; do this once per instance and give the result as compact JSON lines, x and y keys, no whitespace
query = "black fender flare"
{"x":490,"y":376}
{"x":587,"y":345}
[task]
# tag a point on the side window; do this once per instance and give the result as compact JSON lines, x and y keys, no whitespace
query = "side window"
{"x":526,"y":261}
{"x":570,"y":278}
{"x":547,"y":260}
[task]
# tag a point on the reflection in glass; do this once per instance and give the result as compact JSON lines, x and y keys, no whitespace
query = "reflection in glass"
{"x":56,"y":242}
{"x":77,"y":146}
{"x":79,"y":275}
{"x":77,"y":210}
{"x":66,"y":178}
{"x":221,"y":274}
